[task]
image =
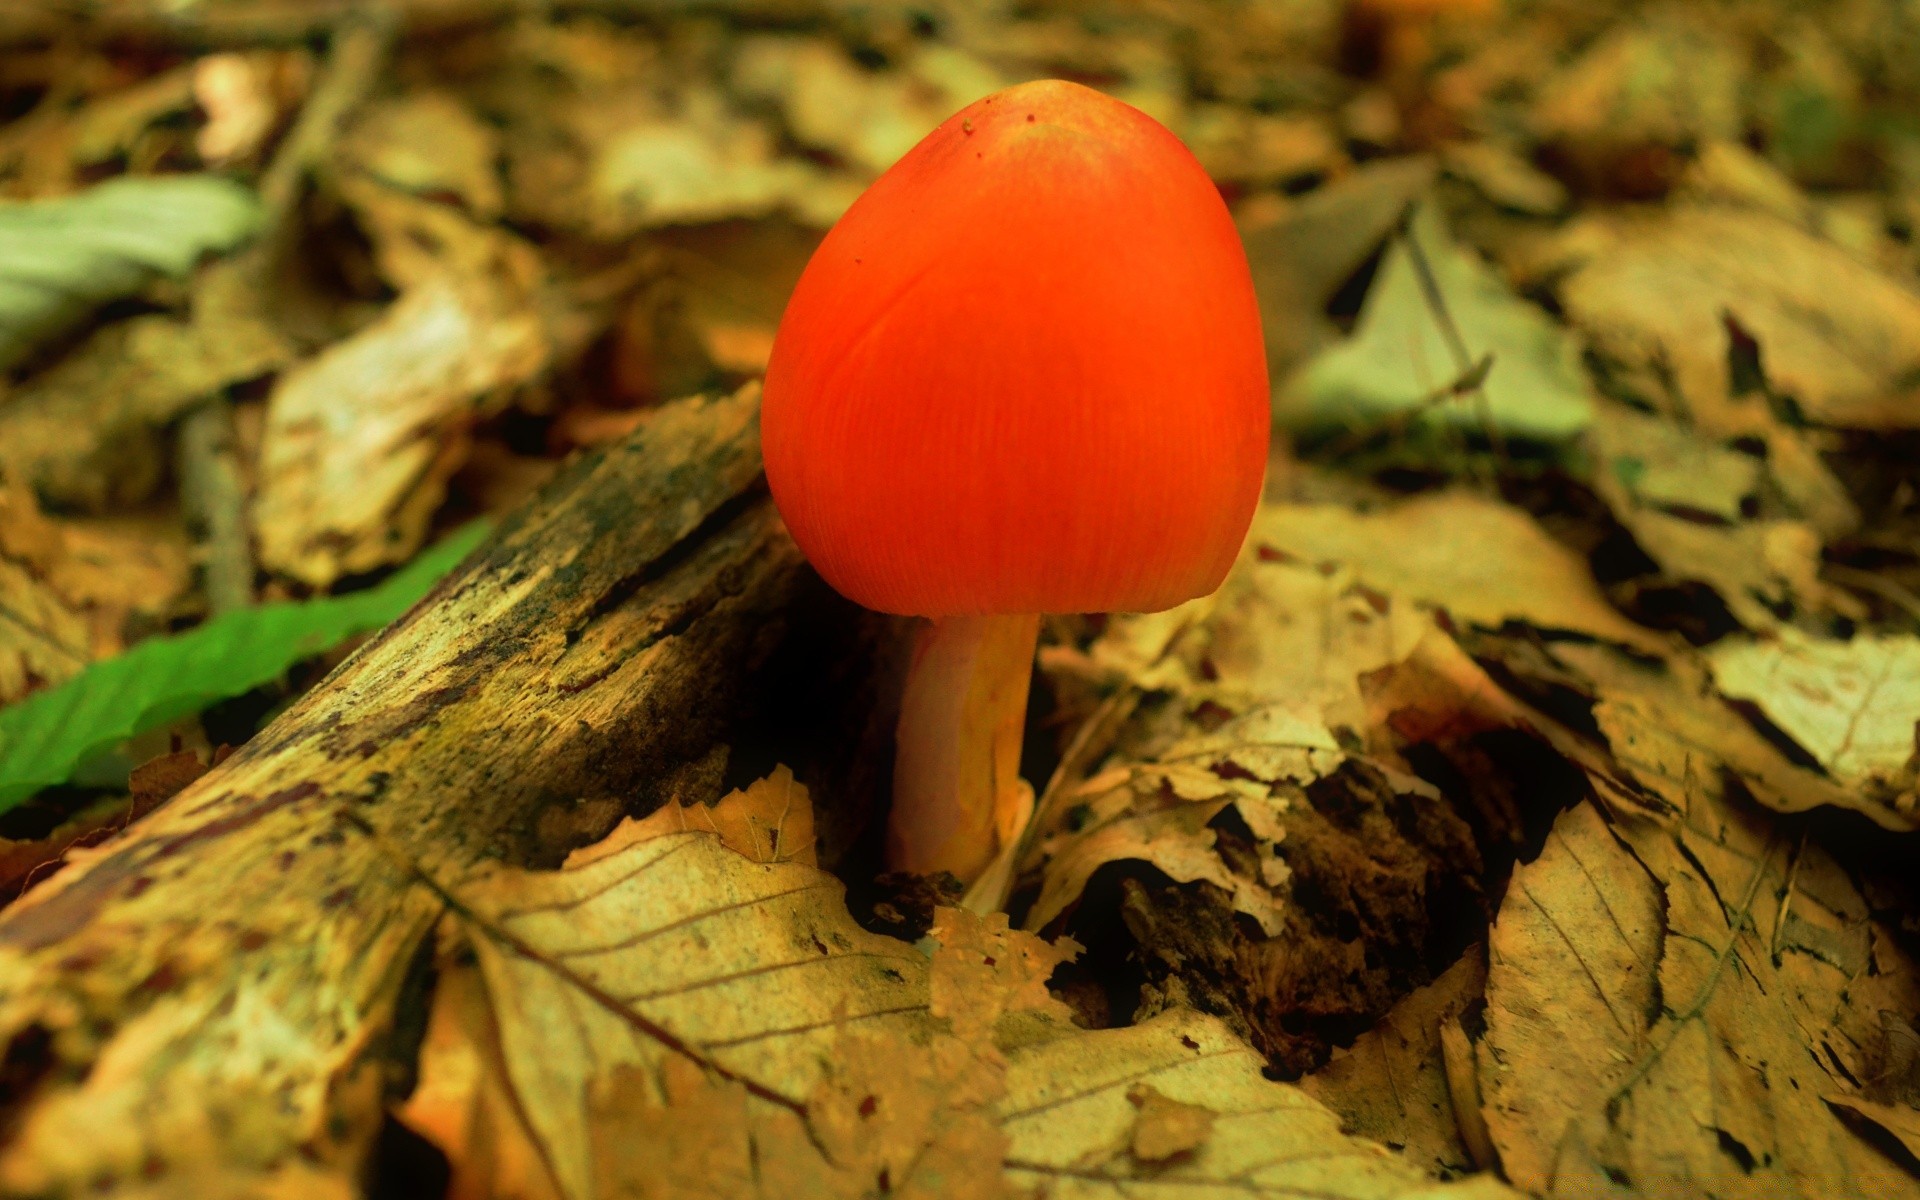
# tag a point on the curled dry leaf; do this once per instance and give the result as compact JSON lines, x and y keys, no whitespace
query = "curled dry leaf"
{"x":361,"y":439}
{"x":1707,"y":512}
{"x":1307,"y":876}
{"x":1668,"y":1002}
{"x":1853,"y":706}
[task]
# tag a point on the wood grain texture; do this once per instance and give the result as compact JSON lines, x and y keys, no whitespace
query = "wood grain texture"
{"x":220,"y":983}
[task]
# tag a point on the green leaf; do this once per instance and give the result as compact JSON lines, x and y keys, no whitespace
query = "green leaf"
{"x":60,"y":259}
{"x":1400,"y":361}
{"x":45,"y":737}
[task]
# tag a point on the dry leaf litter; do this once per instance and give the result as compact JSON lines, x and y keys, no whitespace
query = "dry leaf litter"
{"x":1531,"y":812}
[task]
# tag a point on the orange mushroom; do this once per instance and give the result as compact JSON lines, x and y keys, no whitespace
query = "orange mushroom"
{"x":1023,"y":374}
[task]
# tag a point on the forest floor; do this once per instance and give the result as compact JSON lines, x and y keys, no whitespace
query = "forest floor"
{"x":426,"y":766}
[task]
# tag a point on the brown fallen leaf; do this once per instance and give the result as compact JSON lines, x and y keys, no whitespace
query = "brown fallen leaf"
{"x":704,"y":163}
{"x":1669,"y":79}
{"x":1902,"y":1121}
{"x":86,"y":431}
{"x":245,"y":96}
{"x":1674,"y":740}
{"x":361,"y":439}
{"x":706,"y":1141}
{"x":868,"y":118}
{"x":1482,"y":561}
{"x":1834,"y":333}
{"x":69,"y":590}
{"x":1247,"y":772}
{"x":1572,"y":978}
{"x":463,"y":1102}
{"x":429,"y":143}
{"x":1668,"y":1002}
{"x":1070,"y":1123}
{"x":1301,"y":254}
{"x":1392,"y":1084}
{"x":665,"y":1017}
{"x":1853,"y":706}
{"x":768,"y":821}
{"x":1706,"y":512}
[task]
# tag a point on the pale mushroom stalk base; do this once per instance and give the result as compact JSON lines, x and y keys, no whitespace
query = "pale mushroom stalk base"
{"x":959,"y":803}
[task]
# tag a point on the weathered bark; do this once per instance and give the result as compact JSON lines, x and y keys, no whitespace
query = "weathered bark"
{"x":220,"y":983}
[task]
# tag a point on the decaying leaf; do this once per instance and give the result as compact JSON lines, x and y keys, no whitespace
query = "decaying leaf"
{"x":86,"y":432}
{"x":1159,"y":811}
{"x":1705,"y":511}
{"x":867,"y":118}
{"x":1854,"y":706}
{"x":1392,"y":1084}
{"x":361,"y":439}
{"x":64,"y":257}
{"x":1834,"y":333}
{"x":1482,"y":561}
{"x":1408,"y":352}
{"x":1304,"y":871}
{"x":665,"y":1017}
{"x":68,"y":589}
{"x":707,"y":163}
{"x":1071,"y":1123}
{"x":1668,"y":1002}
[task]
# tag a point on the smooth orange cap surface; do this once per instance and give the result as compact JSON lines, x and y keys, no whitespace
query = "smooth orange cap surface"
{"x":1024,"y":372}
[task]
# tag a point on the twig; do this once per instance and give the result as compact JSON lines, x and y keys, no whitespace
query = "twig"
{"x":1463,"y":361}
{"x":358,"y":51}
{"x":214,"y":498}
{"x":1465,"y":384}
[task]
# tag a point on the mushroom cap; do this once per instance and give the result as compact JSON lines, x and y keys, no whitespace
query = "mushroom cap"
{"x":1024,"y":372}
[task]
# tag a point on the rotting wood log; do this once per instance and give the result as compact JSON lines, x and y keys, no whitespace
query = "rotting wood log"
{"x":219,"y":984}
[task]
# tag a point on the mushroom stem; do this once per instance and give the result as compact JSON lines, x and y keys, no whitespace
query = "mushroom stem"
{"x":957,"y":793}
